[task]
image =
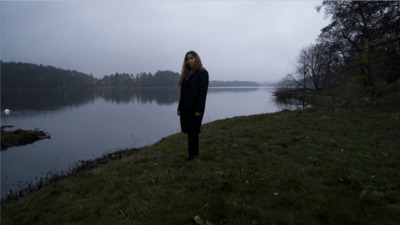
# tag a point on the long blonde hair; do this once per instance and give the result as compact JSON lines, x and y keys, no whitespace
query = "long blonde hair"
{"x":186,"y":70}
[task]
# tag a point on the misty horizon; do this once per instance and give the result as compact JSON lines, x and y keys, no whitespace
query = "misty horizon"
{"x":236,"y":40}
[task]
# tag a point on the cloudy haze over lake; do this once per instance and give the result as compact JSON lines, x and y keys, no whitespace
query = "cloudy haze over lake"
{"x":237,"y":40}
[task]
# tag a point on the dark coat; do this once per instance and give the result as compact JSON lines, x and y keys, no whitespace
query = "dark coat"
{"x":192,"y":100}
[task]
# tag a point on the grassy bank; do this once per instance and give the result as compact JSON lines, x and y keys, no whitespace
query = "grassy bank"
{"x":313,"y":166}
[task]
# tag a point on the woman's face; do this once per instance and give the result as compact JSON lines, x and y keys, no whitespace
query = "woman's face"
{"x":190,"y":60}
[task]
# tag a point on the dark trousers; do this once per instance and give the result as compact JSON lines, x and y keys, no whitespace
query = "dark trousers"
{"x":193,"y":145}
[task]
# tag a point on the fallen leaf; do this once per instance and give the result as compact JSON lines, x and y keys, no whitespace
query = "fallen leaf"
{"x":198,"y":220}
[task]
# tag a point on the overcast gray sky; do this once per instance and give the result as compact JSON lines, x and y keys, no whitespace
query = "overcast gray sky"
{"x":236,"y":40}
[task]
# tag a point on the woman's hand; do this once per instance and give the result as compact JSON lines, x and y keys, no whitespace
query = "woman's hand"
{"x":197,"y":114}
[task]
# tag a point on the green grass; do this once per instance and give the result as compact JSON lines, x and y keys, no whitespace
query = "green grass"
{"x":313,"y":166}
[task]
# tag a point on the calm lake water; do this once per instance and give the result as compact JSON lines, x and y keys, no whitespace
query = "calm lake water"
{"x":85,"y":124}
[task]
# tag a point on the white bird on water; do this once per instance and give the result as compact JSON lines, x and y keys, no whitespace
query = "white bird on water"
{"x":7,"y":111}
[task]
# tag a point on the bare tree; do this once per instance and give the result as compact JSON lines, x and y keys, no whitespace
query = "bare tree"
{"x":315,"y":66}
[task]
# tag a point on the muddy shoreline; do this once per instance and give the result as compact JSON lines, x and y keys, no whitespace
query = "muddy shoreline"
{"x":78,"y":167}
{"x":20,"y":137}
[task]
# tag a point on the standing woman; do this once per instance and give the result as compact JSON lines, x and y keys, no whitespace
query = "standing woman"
{"x":193,"y":84}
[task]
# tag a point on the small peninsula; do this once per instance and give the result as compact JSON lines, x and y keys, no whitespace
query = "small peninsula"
{"x":20,"y":137}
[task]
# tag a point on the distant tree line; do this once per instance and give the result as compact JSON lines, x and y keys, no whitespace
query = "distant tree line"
{"x":27,"y":75}
{"x":31,"y":76}
{"x":159,"y":79}
{"x":360,"y":46}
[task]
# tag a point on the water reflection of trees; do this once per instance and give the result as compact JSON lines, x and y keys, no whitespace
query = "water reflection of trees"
{"x":49,"y":100}
{"x":162,"y":96}
{"x":231,"y":89}
{"x":44,"y":99}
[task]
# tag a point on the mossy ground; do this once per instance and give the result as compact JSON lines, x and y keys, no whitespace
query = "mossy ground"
{"x":312,"y":166}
